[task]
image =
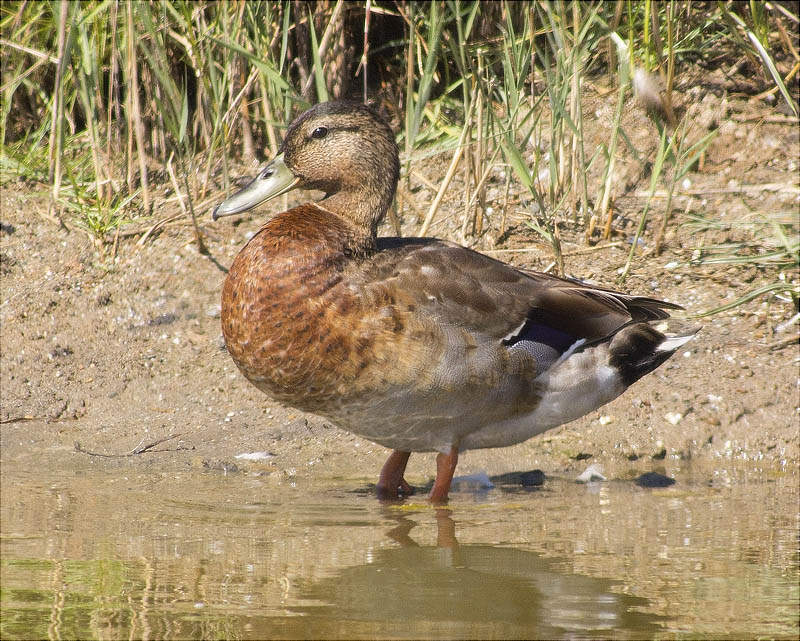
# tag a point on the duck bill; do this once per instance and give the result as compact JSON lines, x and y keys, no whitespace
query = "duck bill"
{"x":275,"y":179}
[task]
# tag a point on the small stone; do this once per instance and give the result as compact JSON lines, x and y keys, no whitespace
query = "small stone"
{"x":531,"y":478}
{"x":654,"y":479}
{"x":255,"y":456}
{"x":592,"y":473}
{"x":472,"y":482}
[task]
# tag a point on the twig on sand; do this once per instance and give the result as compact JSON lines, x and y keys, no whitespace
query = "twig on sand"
{"x":784,"y":342}
{"x":574,"y":252}
{"x":788,"y":188}
{"x":139,"y":449}
{"x":18,"y":419}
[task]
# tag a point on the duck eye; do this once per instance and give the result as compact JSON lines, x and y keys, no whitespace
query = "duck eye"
{"x":319,"y":132}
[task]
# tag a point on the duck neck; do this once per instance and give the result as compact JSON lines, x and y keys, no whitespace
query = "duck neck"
{"x":363,"y":211}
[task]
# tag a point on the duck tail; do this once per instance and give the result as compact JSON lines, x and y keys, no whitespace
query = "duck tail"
{"x":640,"y":348}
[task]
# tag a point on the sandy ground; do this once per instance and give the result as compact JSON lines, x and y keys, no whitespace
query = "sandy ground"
{"x":117,"y":350}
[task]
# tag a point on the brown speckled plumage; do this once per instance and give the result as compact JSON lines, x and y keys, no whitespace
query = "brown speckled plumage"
{"x":416,"y":344}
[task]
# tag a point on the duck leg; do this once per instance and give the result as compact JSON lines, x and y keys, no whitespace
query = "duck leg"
{"x":391,"y":478}
{"x":445,"y":468}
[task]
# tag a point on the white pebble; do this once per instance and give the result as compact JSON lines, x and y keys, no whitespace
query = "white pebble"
{"x":592,"y":473}
{"x":254,"y":456}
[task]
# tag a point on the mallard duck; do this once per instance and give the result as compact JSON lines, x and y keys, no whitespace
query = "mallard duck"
{"x":413,"y":343}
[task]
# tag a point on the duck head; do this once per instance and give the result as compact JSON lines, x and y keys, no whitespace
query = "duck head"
{"x":342,"y":148}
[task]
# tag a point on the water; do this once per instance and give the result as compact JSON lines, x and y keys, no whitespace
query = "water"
{"x":207,"y":555}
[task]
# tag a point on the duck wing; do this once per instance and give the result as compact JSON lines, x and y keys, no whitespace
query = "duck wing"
{"x":463,"y":288}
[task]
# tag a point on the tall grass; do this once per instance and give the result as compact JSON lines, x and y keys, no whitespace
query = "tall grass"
{"x":105,"y":100}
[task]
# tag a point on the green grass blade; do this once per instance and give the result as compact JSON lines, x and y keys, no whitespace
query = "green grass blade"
{"x":755,"y":293}
{"x":319,"y":71}
{"x":776,"y":76}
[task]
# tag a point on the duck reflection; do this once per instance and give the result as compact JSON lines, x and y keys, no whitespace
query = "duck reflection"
{"x":473,"y":590}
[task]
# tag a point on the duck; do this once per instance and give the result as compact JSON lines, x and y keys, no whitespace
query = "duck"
{"x":416,"y":344}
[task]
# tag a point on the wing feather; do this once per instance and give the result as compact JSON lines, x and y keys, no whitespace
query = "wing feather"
{"x":461,"y":287}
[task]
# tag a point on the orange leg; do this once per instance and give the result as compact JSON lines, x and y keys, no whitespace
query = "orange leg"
{"x":391,"y":478}
{"x":445,"y":468}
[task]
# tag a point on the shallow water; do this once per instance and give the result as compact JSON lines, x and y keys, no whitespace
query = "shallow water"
{"x":207,"y":555}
